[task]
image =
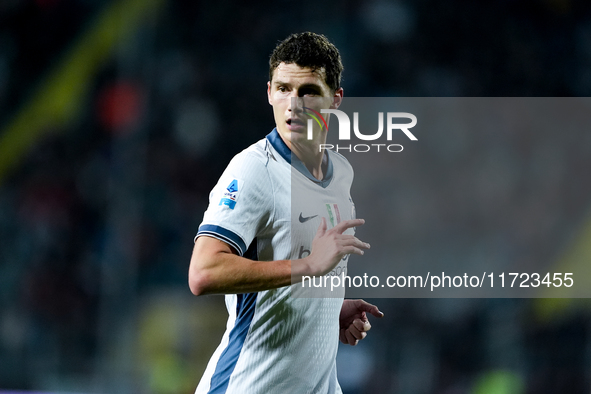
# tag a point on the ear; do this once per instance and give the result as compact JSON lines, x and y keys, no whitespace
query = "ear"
{"x":269,"y":92}
{"x":337,"y":98}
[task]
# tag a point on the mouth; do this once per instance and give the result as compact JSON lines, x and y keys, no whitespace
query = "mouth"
{"x":295,"y":124}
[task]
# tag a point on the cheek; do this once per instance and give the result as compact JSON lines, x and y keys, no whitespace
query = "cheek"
{"x":278,"y":105}
{"x":277,"y":112}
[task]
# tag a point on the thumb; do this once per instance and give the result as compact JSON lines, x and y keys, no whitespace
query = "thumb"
{"x":321,"y":228}
{"x":367,"y":307}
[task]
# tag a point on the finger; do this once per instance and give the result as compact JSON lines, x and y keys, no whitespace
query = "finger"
{"x":350,"y":240}
{"x":346,"y":224}
{"x":352,"y":250}
{"x":357,"y":334}
{"x":351,"y":340}
{"x":362,"y":325}
{"x":342,"y":336}
{"x":321,"y":228}
{"x":367,"y":307}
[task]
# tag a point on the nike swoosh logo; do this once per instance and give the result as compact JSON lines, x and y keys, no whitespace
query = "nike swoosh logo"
{"x":304,"y":220}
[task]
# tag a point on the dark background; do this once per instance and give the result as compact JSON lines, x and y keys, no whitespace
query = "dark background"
{"x":117,"y":118}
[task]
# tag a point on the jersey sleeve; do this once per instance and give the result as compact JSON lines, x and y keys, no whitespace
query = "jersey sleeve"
{"x":239,"y":204}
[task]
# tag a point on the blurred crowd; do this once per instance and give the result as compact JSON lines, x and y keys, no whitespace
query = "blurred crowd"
{"x":97,"y":218}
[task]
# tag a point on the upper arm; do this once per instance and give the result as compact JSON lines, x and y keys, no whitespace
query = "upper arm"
{"x":205,"y":247}
{"x":239,"y":208}
{"x":207,"y":254}
{"x":240,"y":204}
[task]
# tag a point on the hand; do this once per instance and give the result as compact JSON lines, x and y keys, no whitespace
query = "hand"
{"x":329,"y":247}
{"x":353,"y":321}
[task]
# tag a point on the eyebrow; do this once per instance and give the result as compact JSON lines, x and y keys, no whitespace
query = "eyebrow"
{"x":311,"y":85}
{"x":276,"y":82}
{"x":304,"y":86}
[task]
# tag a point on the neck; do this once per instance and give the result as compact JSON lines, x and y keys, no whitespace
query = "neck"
{"x":309,"y":154}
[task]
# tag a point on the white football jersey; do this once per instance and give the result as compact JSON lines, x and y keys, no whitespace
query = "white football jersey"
{"x":268,"y":206}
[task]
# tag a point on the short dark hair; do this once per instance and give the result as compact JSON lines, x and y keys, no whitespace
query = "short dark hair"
{"x":309,"y":50}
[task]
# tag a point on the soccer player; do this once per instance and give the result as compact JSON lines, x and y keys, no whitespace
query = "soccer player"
{"x":259,"y":238}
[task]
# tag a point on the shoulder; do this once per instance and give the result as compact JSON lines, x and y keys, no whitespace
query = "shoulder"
{"x":248,"y":173}
{"x":251,"y":162}
{"x":255,"y":155}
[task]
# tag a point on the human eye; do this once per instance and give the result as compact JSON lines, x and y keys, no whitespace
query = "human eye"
{"x":310,"y":91}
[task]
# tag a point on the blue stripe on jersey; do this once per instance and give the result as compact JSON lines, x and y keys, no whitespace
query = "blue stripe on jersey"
{"x":280,"y":146}
{"x":275,"y":140}
{"x":245,"y":307}
{"x":229,"y":357}
{"x":328,"y":170}
{"x":224,"y":235}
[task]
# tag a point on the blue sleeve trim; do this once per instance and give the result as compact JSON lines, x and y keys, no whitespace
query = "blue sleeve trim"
{"x":225,"y":235}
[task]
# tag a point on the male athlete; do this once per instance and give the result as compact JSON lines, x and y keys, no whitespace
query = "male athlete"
{"x":251,"y":247}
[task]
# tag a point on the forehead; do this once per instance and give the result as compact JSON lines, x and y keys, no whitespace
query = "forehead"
{"x":291,"y":72}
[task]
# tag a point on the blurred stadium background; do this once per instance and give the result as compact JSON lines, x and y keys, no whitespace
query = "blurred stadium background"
{"x":117,"y":117}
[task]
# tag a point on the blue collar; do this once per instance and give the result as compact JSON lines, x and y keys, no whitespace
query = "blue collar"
{"x":275,"y":139}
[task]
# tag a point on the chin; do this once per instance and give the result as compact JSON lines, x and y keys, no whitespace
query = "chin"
{"x":300,"y":138}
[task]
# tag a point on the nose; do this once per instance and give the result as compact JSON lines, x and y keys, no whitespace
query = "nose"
{"x":296,"y":104}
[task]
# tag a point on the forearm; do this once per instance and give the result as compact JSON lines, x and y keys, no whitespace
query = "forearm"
{"x":231,"y":274}
{"x":215,"y":269}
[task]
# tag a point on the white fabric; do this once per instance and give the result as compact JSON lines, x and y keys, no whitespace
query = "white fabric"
{"x":292,"y":342}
